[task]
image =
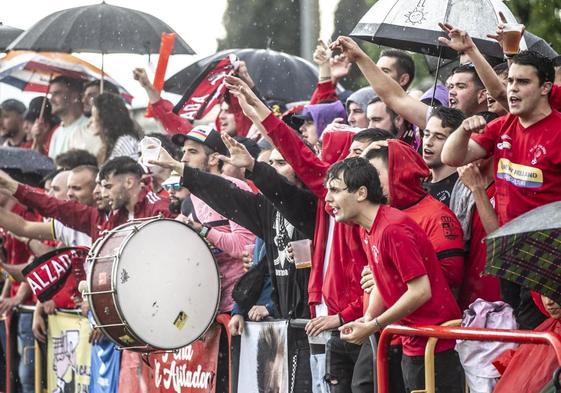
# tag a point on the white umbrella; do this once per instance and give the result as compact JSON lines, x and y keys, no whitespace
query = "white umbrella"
{"x":413,"y":24}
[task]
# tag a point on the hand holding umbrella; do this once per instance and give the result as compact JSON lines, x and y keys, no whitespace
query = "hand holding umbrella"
{"x":8,"y":185}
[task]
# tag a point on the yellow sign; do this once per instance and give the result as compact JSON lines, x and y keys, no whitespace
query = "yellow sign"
{"x":68,"y":353}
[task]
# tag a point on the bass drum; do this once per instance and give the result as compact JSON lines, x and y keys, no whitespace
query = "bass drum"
{"x":153,"y":285}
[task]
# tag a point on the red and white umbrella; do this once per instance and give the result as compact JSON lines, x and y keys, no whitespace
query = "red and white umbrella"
{"x":32,"y":71}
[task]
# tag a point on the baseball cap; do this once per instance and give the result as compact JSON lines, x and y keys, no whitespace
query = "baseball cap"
{"x":11,"y":105}
{"x":34,"y":109}
{"x":304,"y":114}
{"x":205,"y":135}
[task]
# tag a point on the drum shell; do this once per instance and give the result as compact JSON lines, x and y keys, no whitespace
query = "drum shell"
{"x":104,"y":305}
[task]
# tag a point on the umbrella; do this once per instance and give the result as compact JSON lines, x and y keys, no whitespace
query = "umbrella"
{"x":25,"y":160}
{"x":527,"y":251}
{"x":99,"y":28}
{"x":413,"y":24}
{"x":277,"y":75}
{"x":30,"y":71}
{"x":536,"y":43}
{"x":7,"y":35}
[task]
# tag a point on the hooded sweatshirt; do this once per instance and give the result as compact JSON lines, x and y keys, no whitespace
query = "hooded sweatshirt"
{"x":361,"y":97}
{"x":324,"y":114}
{"x":406,"y":169}
{"x":340,"y":287}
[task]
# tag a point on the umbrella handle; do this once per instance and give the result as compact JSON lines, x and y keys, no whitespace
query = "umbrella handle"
{"x":436,"y":75}
{"x":44,"y":103}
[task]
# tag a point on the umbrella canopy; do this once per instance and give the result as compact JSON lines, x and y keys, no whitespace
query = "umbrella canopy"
{"x":7,"y":35}
{"x":277,"y":75}
{"x":99,"y":28}
{"x":527,"y":251}
{"x":536,"y":43}
{"x":413,"y":24}
{"x":30,"y":71}
{"x":26,"y":161}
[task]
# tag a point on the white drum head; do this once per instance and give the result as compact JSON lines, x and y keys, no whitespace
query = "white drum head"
{"x":167,"y":284}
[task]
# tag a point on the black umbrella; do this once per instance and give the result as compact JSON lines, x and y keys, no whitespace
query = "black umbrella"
{"x":536,"y":43}
{"x":25,"y":160}
{"x":277,"y":75}
{"x":527,"y":250}
{"x":25,"y":165}
{"x":413,"y":24}
{"x":100,"y":28}
{"x":7,"y":35}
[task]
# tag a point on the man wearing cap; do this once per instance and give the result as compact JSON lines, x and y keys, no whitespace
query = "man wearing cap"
{"x":13,"y":133}
{"x":201,"y":148}
{"x":39,"y":126}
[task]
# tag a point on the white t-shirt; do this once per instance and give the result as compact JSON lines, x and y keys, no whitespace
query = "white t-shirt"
{"x":70,"y":237}
{"x":84,"y":138}
{"x":60,"y":141}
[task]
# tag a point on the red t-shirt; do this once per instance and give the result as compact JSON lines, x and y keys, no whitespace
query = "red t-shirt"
{"x":476,"y":285}
{"x":444,"y":231}
{"x":398,"y":251}
{"x":527,"y":163}
{"x":555,"y":97}
{"x":16,"y":251}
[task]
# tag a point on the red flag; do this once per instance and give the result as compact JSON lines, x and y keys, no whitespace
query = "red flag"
{"x":205,"y":92}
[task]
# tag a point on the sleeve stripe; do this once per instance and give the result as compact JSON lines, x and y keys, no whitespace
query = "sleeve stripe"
{"x":452,"y":252}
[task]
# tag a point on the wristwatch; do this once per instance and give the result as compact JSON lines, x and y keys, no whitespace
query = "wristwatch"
{"x":204,"y":231}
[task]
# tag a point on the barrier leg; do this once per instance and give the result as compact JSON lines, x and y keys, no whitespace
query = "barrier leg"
{"x":38,"y":368}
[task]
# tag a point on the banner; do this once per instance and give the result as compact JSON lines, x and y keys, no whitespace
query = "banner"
{"x":205,"y":92}
{"x":263,"y":358}
{"x":189,"y":369}
{"x":68,"y":354}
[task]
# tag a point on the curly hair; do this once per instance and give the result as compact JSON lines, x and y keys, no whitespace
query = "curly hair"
{"x":115,"y":122}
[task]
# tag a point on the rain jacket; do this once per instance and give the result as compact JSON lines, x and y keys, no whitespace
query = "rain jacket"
{"x":340,"y":288}
{"x":406,"y":169}
{"x":88,"y":219}
{"x":324,"y":92}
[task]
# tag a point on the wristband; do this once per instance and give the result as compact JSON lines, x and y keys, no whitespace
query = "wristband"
{"x":204,"y":231}
{"x":378,"y":325}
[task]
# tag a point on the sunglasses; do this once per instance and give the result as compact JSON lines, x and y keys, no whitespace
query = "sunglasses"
{"x":175,"y":186}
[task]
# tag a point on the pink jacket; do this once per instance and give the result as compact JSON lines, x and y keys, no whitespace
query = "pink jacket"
{"x":227,"y":240}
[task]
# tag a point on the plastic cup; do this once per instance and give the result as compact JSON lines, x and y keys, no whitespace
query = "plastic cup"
{"x":512,"y":33}
{"x":302,"y":250}
{"x":248,"y":249}
{"x":150,"y":149}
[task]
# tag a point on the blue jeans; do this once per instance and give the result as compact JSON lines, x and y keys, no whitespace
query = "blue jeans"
{"x":26,"y":352}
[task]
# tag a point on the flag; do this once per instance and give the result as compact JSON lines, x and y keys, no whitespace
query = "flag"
{"x":205,"y":91}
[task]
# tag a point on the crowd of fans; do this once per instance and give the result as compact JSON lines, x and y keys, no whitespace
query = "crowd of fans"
{"x":396,"y":191}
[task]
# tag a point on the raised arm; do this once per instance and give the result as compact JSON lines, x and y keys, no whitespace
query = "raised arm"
{"x":459,"y":149}
{"x":309,"y":168}
{"x":461,"y":41}
{"x":22,"y":227}
{"x":411,"y":109}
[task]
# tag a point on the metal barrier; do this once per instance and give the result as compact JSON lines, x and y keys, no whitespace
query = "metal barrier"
{"x":458,"y":333}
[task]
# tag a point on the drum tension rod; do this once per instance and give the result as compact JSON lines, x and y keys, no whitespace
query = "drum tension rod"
{"x":110,"y":325}
{"x":98,"y":292}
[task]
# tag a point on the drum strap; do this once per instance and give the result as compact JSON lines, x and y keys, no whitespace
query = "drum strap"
{"x":218,"y":223}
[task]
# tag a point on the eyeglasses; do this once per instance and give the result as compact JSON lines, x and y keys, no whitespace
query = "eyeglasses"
{"x":175,"y":186}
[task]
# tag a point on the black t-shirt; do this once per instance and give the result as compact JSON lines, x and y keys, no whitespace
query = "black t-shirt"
{"x":442,"y":190}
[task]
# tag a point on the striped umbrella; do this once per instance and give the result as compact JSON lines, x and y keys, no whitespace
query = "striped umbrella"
{"x":32,"y":71}
{"x":527,"y":251}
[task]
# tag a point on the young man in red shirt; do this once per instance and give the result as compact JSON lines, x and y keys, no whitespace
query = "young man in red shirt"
{"x":410,"y":286}
{"x":526,"y":156}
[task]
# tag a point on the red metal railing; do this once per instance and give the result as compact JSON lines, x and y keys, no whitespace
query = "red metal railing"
{"x":458,"y":333}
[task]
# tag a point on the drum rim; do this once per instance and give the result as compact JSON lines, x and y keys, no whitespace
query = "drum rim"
{"x":102,"y":240}
{"x":114,"y":279}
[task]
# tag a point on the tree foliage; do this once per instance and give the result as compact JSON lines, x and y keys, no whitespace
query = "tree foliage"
{"x":273,"y":24}
{"x":541,"y":17}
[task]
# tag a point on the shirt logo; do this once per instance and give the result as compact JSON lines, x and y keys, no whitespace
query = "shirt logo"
{"x":505,"y":144}
{"x":519,"y":175}
{"x":537,"y":151}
